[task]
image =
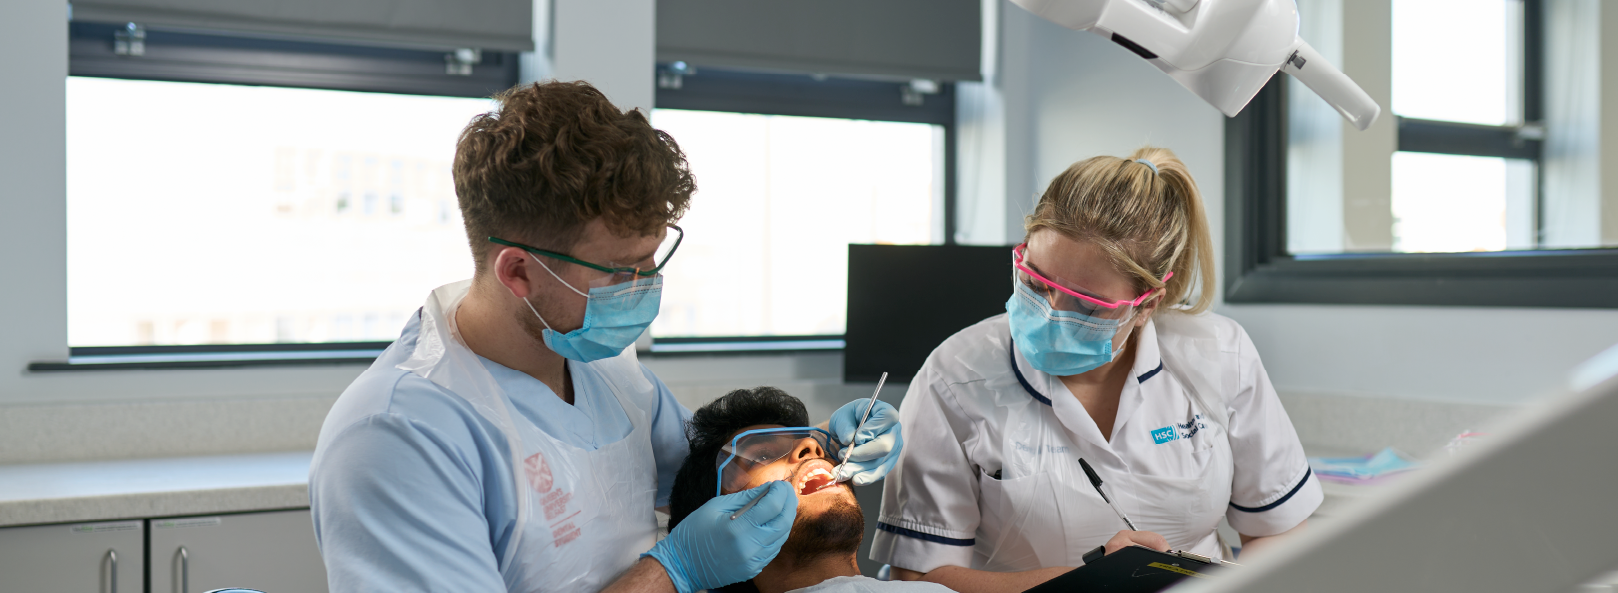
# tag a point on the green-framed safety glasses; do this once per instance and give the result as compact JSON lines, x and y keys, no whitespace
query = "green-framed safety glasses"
{"x":665,"y":250}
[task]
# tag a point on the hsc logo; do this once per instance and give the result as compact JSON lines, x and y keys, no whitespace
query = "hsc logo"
{"x":1164,"y":435}
{"x":1175,"y":432}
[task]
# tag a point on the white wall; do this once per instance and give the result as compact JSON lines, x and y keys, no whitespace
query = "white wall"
{"x":33,"y":260}
{"x":1473,"y":355}
{"x":611,"y":43}
{"x":980,"y":133}
{"x":1092,"y":97}
{"x":1050,"y":97}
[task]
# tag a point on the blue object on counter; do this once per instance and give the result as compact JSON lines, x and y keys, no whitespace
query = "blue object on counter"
{"x":1386,"y":461}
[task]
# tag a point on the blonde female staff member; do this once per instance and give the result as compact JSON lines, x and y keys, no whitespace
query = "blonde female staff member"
{"x":1105,"y":353}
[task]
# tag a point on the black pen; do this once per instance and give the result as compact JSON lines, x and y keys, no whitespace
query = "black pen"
{"x":1101,"y":489}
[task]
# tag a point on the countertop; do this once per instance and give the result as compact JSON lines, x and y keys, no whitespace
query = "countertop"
{"x":147,"y":488}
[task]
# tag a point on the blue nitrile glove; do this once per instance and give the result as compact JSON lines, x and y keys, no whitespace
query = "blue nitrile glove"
{"x":708,"y":550}
{"x":875,"y":449}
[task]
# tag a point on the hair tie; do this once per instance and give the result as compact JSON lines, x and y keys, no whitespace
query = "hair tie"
{"x":1149,"y":164}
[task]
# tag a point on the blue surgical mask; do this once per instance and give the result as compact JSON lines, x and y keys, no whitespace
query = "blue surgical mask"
{"x":614,"y":317}
{"x":1059,"y":343}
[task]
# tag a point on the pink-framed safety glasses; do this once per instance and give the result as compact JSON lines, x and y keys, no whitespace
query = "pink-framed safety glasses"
{"x":1063,"y":298}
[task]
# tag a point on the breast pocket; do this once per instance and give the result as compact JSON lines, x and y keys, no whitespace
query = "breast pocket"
{"x":1003,"y":540}
{"x":1203,"y":445}
{"x":1038,"y":521}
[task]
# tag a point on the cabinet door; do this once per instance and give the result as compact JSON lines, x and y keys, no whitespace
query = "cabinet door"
{"x":273,"y":552}
{"x":103,"y":557}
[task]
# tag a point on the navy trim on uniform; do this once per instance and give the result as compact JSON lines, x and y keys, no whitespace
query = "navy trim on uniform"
{"x":1020,"y":379}
{"x":1295,"y":489}
{"x":1149,"y":374}
{"x":937,"y":539}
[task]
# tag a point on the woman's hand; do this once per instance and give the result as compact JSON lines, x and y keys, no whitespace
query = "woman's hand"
{"x":1128,"y":538}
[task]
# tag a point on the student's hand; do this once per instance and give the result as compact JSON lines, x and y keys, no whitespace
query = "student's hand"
{"x":875,"y":449}
{"x":1128,"y":538}
{"x":709,"y":550}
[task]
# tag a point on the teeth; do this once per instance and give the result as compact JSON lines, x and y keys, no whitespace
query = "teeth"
{"x":811,"y":475}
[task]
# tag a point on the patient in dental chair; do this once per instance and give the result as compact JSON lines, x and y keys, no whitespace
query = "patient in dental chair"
{"x":818,"y":556}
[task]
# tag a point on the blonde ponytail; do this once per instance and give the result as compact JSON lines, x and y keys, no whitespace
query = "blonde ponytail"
{"x":1149,"y":220}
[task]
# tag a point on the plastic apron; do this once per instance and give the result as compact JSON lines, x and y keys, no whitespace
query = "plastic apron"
{"x":1042,"y":510}
{"x":583,"y":517}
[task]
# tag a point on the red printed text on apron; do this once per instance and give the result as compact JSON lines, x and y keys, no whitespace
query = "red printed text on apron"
{"x":554,"y":500}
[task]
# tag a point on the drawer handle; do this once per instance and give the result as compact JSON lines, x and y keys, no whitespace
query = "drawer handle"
{"x":185,"y":569}
{"x":112,"y":572}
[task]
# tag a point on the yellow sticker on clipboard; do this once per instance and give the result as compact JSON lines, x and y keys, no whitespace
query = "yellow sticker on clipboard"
{"x":1185,"y":571}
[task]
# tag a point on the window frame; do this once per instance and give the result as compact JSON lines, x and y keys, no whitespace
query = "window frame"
{"x":770,"y":93}
{"x":213,"y":356}
{"x":1258,"y":268}
{"x":186,"y":55}
{"x":1523,"y":141}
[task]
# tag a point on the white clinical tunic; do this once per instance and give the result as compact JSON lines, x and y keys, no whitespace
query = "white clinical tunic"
{"x":989,"y":478}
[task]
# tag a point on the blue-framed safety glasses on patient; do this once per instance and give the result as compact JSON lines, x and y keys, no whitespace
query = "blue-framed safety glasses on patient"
{"x":756,"y":451}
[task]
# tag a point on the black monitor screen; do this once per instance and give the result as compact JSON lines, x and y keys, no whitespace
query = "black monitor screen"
{"x":904,"y":300}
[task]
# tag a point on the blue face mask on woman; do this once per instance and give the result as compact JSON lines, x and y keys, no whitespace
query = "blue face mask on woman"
{"x":1059,"y":343}
{"x":614,"y":317}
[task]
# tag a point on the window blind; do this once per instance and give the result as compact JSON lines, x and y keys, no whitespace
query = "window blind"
{"x":901,"y":39}
{"x":500,"y":25}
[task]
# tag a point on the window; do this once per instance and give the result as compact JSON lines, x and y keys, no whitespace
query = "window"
{"x":779,"y":200}
{"x":232,"y":197}
{"x":1466,"y":111}
{"x":1453,"y":198}
{"x":790,"y":170}
{"x":193,"y":161}
{"x":192,"y":223}
{"x":1470,"y":133}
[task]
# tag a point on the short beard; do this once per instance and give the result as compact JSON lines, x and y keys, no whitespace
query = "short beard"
{"x":837,"y":531}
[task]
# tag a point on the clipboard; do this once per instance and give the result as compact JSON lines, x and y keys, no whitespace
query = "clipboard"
{"x":1135,"y":569}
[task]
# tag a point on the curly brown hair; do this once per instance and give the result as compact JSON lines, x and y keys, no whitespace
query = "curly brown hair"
{"x":554,"y":156}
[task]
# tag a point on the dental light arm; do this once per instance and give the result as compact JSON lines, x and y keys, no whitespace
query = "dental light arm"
{"x":1222,"y":50}
{"x":1331,"y":84}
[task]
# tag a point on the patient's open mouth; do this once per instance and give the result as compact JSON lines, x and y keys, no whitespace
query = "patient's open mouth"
{"x":815,"y":480}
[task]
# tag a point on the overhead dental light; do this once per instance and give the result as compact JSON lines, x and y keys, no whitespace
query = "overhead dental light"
{"x":1222,"y":50}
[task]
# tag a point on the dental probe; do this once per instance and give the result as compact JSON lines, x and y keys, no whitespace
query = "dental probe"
{"x":741,"y":511}
{"x":871,"y":405}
